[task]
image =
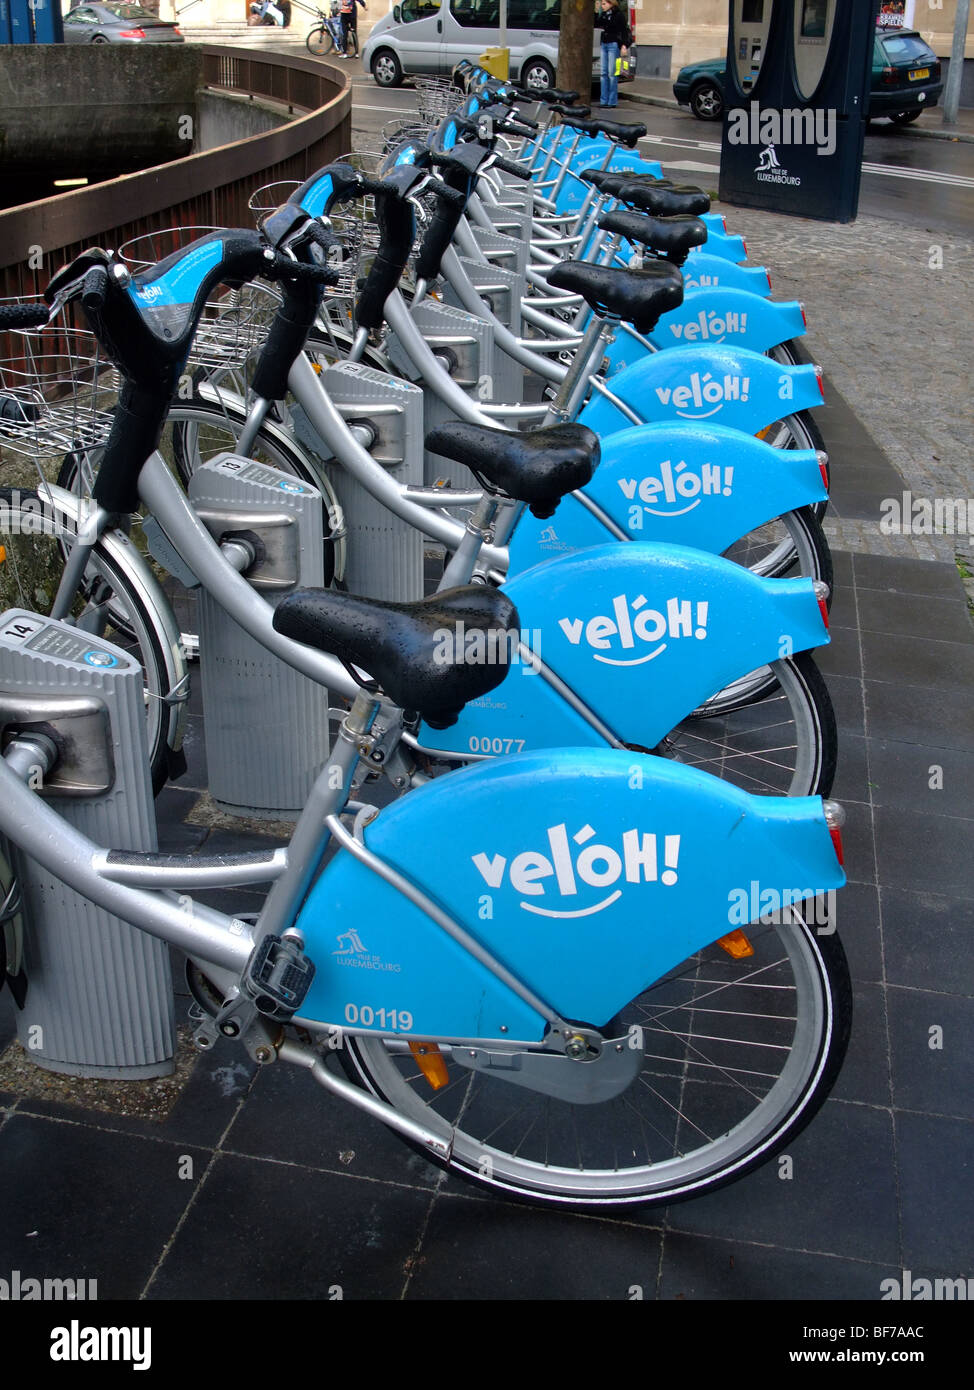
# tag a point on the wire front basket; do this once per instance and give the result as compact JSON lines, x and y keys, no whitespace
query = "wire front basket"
{"x":234,"y":324}
{"x":56,"y":393}
{"x":436,"y":97}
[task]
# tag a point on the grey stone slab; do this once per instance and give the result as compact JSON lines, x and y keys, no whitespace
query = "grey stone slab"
{"x":935,"y":1161}
{"x":493,"y":1250}
{"x":309,"y":1234}
{"x":932,"y":1059}
{"x":695,"y":1267}
{"x":929,"y":941}
{"x":841,"y":1199}
{"x":907,"y":576}
{"x":924,"y":853}
{"x":917,"y":713}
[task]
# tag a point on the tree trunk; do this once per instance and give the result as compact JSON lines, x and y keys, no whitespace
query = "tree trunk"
{"x":575,"y":47}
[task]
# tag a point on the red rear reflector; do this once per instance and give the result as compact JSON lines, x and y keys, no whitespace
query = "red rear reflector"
{"x":835,"y":819}
{"x":823,"y":608}
{"x":744,"y":244}
{"x":768,"y":278}
{"x":804,"y":315}
{"x":821,"y":381}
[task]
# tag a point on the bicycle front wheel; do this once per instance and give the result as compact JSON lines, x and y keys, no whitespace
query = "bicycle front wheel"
{"x":320,"y":42}
{"x":114,"y":603}
{"x":737,"y":1056}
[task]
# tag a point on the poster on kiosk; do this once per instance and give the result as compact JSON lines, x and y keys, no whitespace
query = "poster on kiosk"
{"x":797,"y":93}
{"x":896,"y":14}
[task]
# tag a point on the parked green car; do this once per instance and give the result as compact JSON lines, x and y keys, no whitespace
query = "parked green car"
{"x":905,"y":80}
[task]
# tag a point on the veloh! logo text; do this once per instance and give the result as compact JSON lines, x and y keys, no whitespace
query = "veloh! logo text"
{"x":673,"y":489}
{"x":571,"y":871}
{"x":704,"y":395}
{"x":711,"y":327}
{"x":633,"y":626}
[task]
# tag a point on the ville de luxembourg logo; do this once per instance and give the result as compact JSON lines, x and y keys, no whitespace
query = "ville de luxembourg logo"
{"x":813,"y":128}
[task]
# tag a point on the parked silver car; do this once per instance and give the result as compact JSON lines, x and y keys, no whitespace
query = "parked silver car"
{"x":118,"y":23}
{"x":431,"y":36}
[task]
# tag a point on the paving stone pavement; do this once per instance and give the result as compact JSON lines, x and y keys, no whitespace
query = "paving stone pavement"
{"x":889,"y":313}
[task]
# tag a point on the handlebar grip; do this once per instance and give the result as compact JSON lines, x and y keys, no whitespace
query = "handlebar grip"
{"x":283,"y":268}
{"x":453,"y":196}
{"x":521,"y":124}
{"x":23,"y":315}
{"x":94,"y":288}
{"x":507,"y":166}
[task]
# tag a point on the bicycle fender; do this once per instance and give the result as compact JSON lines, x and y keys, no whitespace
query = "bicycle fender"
{"x":726,"y":315}
{"x":713,"y":316}
{"x":720,"y":383}
{"x":709,"y":272}
{"x":643,"y":635}
{"x":646,"y":634}
{"x":719,"y":241}
{"x":589,"y":873}
{"x":690,"y":484}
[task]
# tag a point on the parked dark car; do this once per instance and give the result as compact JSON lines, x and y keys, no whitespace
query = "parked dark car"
{"x":118,"y":23}
{"x":905,"y":80}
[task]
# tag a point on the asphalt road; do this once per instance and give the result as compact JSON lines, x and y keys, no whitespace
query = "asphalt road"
{"x":906,"y":178}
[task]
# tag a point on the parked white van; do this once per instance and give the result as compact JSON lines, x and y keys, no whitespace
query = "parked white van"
{"x":431,"y":36}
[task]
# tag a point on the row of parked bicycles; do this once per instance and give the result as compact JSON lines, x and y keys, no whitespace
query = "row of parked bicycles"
{"x":572,"y":958}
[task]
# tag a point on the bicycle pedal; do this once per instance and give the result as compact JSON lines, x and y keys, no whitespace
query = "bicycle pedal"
{"x":278,"y":977}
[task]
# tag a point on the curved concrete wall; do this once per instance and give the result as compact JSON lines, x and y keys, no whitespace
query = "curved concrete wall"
{"x":97,"y":109}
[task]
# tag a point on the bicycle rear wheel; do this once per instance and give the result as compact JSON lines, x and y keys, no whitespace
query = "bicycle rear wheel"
{"x":738,"y":1055}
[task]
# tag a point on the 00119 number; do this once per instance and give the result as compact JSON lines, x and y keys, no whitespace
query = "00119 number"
{"x":395,"y":1020}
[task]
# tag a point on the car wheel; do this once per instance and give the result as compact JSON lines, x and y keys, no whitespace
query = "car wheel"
{"x":537,"y":76}
{"x":907,"y":117}
{"x":99,"y":38}
{"x":386,"y":68}
{"x":707,"y":101}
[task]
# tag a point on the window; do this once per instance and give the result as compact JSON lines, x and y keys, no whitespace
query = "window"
{"x":813,"y":19}
{"x":418,"y":9}
{"x":752,"y":12}
{"x":533,"y":14}
{"x":129,"y":12}
{"x":908,"y":48}
{"x":477,"y":14}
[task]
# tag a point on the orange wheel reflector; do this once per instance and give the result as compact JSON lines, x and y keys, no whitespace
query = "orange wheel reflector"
{"x":431,"y":1063}
{"x":3,"y":553}
{"x":763,"y":434}
{"x":736,"y":945}
{"x":317,"y":368}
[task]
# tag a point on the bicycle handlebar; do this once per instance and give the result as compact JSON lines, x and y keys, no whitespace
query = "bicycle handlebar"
{"x":23,"y":316}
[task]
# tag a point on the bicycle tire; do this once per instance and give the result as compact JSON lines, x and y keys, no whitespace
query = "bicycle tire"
{"x":211,"y":423}
{"x":802,"y":552}
{"x":724,"y":735}
{"x":319,"y":42}
{"x":117,"y":603}
{"x":526,"y":1137}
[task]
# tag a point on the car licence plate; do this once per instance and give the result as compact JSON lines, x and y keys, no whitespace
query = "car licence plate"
{"x":919,"y":73}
